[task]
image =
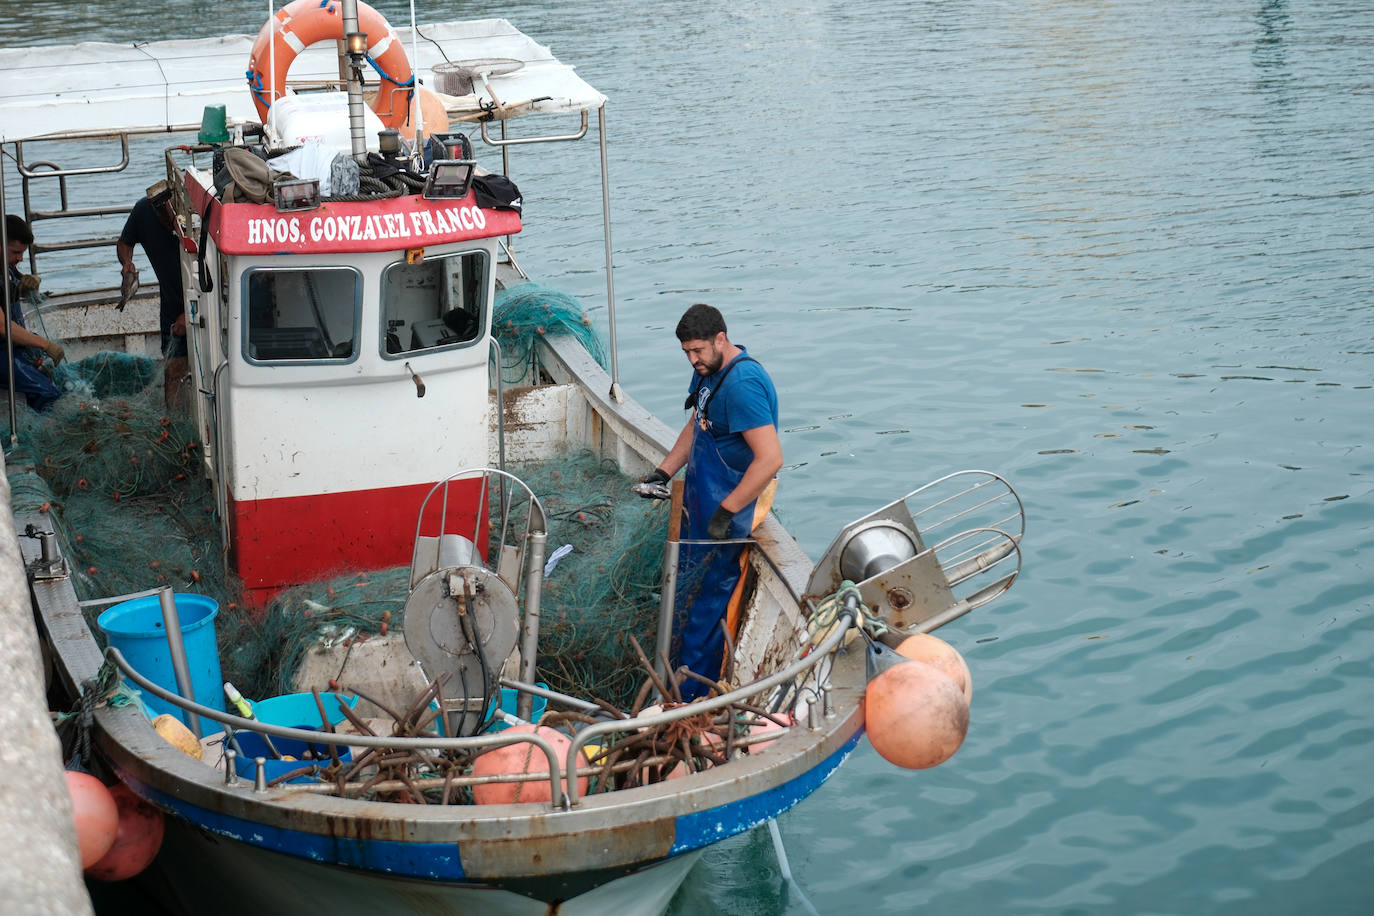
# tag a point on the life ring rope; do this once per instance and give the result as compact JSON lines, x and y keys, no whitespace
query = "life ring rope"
{"x":408,"y":84}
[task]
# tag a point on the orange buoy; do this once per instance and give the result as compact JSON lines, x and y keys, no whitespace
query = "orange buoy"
{"x":139,"y":838}
{"x":94,"y":814}
{"x":933,"y":650}
{"x":425,"y":107}
{"x":915,"y":714}
{"x":514,"y":759}
{"x":302,"y":23}
{"x":431,"y":112}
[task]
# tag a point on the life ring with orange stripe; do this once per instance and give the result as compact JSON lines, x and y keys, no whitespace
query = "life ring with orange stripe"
{"x":302,"y":23}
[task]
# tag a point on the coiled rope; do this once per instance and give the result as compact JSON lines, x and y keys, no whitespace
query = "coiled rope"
{"x":380,"y":178}
{"x":827,"y":614}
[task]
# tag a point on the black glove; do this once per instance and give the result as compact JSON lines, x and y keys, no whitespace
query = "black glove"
{"x":719,"y":525}
{"x":653,"y":485}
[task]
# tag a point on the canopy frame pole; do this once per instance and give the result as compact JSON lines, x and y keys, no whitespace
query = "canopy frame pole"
{"x":272,"y":54}
{"x":617,"y":394}
{"x":9,"y":338}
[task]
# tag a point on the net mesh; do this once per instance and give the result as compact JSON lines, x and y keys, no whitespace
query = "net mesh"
{"x":122,"y":482}
{"x":528,"y":311}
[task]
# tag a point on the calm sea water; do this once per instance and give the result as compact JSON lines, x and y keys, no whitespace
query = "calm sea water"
{"x":1122,"y":253}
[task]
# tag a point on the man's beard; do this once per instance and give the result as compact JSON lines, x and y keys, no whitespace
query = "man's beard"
{"x":711,"y":366}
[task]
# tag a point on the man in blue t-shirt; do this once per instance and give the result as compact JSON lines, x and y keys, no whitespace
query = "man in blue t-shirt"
{"x":734,"y":403}
{"x":731,"y":450}
{"x":150,"y":224}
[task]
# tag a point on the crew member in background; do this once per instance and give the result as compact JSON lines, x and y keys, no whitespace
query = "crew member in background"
{"x":30,"y":381}
{"x":150,"y":224}
{"x":732,"y":453}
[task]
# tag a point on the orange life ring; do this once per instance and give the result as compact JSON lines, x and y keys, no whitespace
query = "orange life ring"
{"x":303,"y":23}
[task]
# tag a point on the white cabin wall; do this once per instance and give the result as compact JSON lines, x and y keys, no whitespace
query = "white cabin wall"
{"x":318,"y":427}
{"x":331,"y":437}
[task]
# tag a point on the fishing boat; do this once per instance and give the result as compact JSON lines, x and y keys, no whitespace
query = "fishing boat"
{"x":348,"y":417}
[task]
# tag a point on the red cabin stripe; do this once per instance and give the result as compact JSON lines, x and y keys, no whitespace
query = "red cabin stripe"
{"x":290,"y":540}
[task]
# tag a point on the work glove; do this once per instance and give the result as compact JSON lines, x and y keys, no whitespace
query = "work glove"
{"x":653,"y":485}
{"x":29,"y":282}
{"x":54,"y":350}
{"x":719,"y":526}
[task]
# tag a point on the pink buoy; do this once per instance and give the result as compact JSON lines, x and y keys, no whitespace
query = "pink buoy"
{"x":141,"y":827}
{"x":94,"y":814}
{"x":759,"y":727}
{"x":915,"y":714}
{"x":922,"y":647}
{"x":514,"y":759}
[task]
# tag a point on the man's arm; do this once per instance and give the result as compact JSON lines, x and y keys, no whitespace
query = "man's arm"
{"x":23,"y":337}
{"x":125,"y":252}
{"x":767,"y":448}
{"x":682,"y":448}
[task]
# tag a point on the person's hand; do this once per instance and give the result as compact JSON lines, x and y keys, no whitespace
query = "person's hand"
{"x":179,"y":326}
{"x":54,"y":350}
{"x":718,"y":528}
{"x":653,"y":485}
{"x":29,"y":282}
{"x":129,"y":268}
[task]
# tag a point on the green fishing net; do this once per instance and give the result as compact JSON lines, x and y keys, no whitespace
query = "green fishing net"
{"x":526,"y":312}
{"x":260,"y":653}
{"x":124,"y":488}
{"x":124,"y":476}
{"x":606,"y":588}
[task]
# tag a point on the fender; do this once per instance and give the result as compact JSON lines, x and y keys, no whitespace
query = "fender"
{"x":302,"y":23}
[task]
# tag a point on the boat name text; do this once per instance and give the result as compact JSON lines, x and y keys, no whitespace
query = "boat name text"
{"x":362,"y":228}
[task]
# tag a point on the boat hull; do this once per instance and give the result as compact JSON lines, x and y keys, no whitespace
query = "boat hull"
{"x":549,"y":854}
{"x":191,"y":868}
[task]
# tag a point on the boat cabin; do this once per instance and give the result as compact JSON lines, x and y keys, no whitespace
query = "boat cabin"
{"x":327,"y":339}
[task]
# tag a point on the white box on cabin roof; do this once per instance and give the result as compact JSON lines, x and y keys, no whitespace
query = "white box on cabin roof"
{"x":297,"y":118}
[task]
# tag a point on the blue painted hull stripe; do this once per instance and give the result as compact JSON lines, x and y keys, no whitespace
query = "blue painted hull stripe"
{"x":703,"y":828}
{"x":432,"y":861}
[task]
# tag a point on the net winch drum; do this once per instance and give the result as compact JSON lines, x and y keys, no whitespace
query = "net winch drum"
{"x":464,"y":619}
{"x":909,"y":557}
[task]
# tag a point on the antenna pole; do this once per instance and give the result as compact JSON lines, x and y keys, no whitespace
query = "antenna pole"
{"x":9,"y":338}
{"x":415,"y":75}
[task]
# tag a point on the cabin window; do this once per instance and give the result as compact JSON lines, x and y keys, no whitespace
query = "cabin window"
{"x":436,"y":303}
{"x":302,"y":314}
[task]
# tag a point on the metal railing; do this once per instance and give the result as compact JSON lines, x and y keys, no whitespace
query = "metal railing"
{"x":560,"y":798}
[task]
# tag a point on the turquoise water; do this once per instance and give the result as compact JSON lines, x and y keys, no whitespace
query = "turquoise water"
{"x":1122,"y":253}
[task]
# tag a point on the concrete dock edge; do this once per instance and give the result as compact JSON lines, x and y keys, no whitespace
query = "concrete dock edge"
{"x":40,"y":872}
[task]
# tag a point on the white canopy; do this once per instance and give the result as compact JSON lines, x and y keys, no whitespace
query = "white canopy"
{"x":165,"y":85}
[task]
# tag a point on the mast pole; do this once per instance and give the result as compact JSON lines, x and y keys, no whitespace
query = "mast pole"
{"x":356,"y":44}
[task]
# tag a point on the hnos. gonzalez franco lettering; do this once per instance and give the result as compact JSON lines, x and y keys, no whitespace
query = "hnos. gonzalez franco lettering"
{"x":417,"y":226}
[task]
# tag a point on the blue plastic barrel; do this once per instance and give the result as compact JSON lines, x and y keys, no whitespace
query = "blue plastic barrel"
{"x":135,"y":628}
